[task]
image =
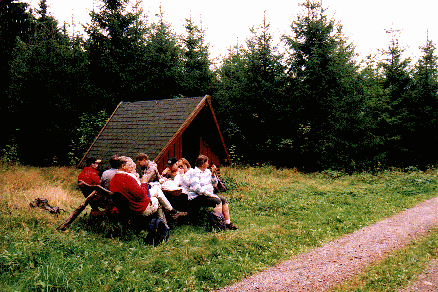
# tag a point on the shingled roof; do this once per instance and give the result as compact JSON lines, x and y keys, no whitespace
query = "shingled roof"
{"x":153,"y":127}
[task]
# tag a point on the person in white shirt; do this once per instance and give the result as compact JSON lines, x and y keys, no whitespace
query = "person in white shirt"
{"x":198,"y":183}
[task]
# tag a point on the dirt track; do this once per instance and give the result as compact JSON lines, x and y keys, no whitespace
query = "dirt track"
{"x":336,"y":261}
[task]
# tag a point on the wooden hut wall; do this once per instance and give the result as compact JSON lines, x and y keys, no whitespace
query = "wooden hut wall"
{"x":200,"y":137}
{"x":205,"y":149}
{"x":175,"y":150}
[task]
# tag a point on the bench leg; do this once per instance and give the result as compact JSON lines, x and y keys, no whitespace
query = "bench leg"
{"x":76,"y":212}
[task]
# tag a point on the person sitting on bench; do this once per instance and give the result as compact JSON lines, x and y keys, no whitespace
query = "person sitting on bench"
{"x":184,"y":166}
{"x":148,"y":168}
{"x":90,"y":174}
{"x":198,"y":184}
{"x":172,"y":169}
{"x":108,"y":174}
{"x":141,"y":202}
{"x":171,"y":175}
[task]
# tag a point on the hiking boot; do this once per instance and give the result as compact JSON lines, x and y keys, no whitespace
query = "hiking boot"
{"x":231,"y":226}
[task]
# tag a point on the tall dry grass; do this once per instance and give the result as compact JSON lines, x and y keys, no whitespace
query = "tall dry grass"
{"x":19,"y":185}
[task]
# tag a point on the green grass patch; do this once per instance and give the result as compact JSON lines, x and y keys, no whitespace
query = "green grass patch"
{"x":279,"y":212}
{"x":398,"y":269}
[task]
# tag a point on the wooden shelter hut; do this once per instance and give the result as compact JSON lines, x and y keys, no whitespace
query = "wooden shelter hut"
{"x":179,"y":127}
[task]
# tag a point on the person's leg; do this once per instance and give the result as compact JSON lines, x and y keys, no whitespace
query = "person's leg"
{"x":205,"y":201}
{"x":155,"y":191}
{"x":152,"y":207}
{"x":155,"y":207}
{"x":226,"y":213}
{"x":160,"y":213}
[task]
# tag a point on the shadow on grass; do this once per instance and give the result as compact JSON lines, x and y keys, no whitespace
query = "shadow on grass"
{"x":114,"y":227}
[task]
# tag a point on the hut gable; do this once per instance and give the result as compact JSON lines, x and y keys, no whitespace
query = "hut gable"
{"x":180,"y":127}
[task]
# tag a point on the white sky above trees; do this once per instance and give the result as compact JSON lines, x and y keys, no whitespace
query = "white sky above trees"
{"x":227,"y":22}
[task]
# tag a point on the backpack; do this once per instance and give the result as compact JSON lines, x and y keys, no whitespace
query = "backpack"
{"x":220,"y":187}
{"x":216,"y":222}
{"x":158,"y":231}
{"x":44,"y":204}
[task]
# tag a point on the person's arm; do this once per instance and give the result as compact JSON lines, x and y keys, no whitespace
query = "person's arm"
{"x":193,"y":182}
{"x":138,"y":191}
{"x":214,"y":179}
{"x":165,"y":171}
{"x":196,"y":185}
{"x":151,"y":172}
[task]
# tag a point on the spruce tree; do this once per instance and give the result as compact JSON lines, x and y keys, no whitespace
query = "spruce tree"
{"x":41,"y":72}
{"x":374,"y":117}
{"x":397,"y":84}
{"x":164,"y":66}
{"x":197,"y":77}
{"x":116,"y":53}
{"x":323,"y":68}
{"x":15,"y":25}
{"x":422,"y":121}
{"x":250,"y":97}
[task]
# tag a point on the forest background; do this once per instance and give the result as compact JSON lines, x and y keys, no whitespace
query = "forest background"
{"x":314,"y":106}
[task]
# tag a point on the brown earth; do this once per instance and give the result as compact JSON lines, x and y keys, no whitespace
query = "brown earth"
{"x":336,"y":261}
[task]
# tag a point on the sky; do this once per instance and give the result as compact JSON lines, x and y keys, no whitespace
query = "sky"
{"x":227,"y":22}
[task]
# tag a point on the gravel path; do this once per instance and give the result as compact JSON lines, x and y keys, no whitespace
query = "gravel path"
{"x":336,"y":261}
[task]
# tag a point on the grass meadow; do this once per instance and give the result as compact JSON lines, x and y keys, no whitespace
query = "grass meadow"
{"x":280,"y":213}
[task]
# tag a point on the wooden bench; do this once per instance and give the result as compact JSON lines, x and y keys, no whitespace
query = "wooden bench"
{"x":96,"y":196}
{"x":114,"y":206}
{"x":177,"y":199}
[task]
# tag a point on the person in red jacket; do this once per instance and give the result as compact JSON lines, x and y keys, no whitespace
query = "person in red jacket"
{"x":90,"y":174}
{"x":127,"y":183}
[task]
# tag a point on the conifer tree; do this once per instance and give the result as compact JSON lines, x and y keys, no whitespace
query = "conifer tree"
{"x":422,"y":121}
{"x":324,"y":72}
{"x":116,"y":49}
{"x":164,"y":66}
{"x":197,"y":77}
{"x":249,"y":95}
{"x":374,"y":117}
{"x":41,"y":74}
{"x":15,"y":24}
{"x":397,"y":83}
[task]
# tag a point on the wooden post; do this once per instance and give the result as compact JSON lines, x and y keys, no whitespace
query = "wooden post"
{"x":76,"y":212}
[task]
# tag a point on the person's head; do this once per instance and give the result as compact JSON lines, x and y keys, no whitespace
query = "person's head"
{"x":92,"y":162}
{"x":172,"y":164}
{"x":202,"y":161}
{"x":184,"y":164}
{"x":127,"y":164}
{"x":142,"y":159}
{"x":114,"y":161}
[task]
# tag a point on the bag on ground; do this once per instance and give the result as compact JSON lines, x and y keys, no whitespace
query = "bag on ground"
{"x":220,"y":187}
{"x":44,"y":204}
{"x":158,"y":231}
{"x":216,"y":222}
